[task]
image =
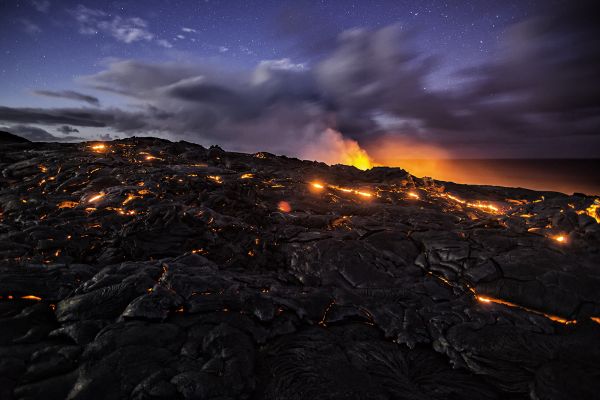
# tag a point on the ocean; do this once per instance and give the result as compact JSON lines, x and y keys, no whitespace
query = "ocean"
{"x":560,"y":175}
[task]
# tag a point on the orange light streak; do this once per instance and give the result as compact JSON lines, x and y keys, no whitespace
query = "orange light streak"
{"x":556,"y":318}
{"x":96,"y":197}
{"x":30,"y":297}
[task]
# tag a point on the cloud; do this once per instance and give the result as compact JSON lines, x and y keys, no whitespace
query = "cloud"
{"x":282,"y":64}
{"x":223,"y":49}
{"x":42,"y":6}
{"x":164,"y":43}
{"x":124,"y":121}
{"x":36,"y":134}
{"x":189,"y":30}
{"x":67,"y":130}
{"x":127,"y":30}
{"x":29,"y":27}
{"x":71,"y":95}
{"x":538,"y":97}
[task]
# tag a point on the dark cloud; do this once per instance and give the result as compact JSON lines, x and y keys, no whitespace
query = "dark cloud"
{"x":36,"y":134}
{"x":67,"y":130}
{"x":71,"y":95}
{"x":540,"y":97}
{"x":546,"y":77}
{"x":131,"y":122}
{"x":106,"y":137}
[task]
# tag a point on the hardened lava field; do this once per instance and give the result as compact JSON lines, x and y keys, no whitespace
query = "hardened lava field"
{"x":147,"y":269}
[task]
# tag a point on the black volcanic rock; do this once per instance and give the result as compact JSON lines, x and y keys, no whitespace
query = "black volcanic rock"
{"x":6,"y":138}
{"x":147,"y":269}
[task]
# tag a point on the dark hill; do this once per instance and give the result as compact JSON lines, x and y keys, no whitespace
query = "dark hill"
{"x":6,"y":138}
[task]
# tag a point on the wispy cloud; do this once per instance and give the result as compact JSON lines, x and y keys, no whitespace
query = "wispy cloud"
{"x":127,"y":30}
{"x":29,"y":27}
{"x":42,"y":6}
{"x":189,"y":30}
{"x":67,"y":130}
{"x":69,"y":94}
{"x":164,"y":43}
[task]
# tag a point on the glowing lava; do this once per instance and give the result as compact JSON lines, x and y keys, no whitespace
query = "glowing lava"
{"x":129,"y":198}
{"x":30,"y":297}
{"x":593,"y":210}
{"x":320,"y":186}
{"x":98,"y":148}
{"x":284,"y":206}
{"x":487,"y":207}
{"x":96,"y":197}
{"x":68,"y":204}
{"x":560,"y":238}
{"x":555,"y":318}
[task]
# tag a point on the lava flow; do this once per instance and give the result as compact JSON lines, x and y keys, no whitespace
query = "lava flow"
{"x":171,"y":255}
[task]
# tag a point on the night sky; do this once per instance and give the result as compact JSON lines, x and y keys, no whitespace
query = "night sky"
{"x":426,"y":78}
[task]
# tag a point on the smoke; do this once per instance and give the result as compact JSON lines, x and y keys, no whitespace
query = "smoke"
{"x":332,"y":148}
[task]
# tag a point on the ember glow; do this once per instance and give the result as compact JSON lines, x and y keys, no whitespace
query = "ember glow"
{"x":68,"y":204}
{"x":96,"y":197}
{"x":484,"y":206}
{"x":129,"y":198}
{"x":99,"y":147}
{"x":31,"y":297}
{"x":284,"y":206}
{"x":320,"y":186}
{"x":593,"y":210}
{"x":560,"y":238}
{"x":555,"y":318}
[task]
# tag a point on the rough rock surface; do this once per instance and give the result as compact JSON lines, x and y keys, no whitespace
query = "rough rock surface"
{"x":147,"y":269}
